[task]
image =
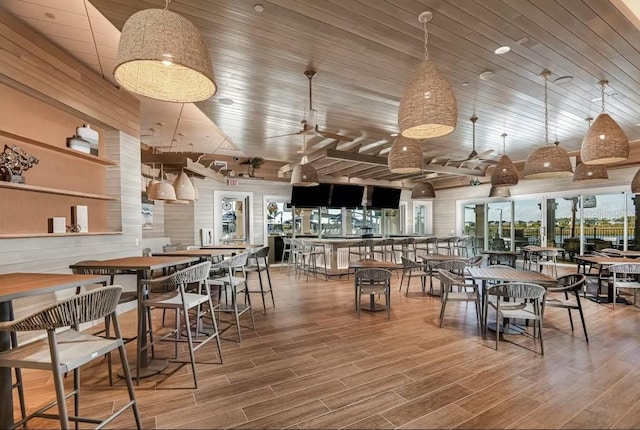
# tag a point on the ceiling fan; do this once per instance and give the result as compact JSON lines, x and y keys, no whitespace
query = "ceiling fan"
{"x":309,"y":124}
{"x":473,"y":155}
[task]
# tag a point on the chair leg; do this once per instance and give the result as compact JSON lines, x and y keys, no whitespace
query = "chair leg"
{"x":192,"y":354}
{"x":387,"y":300}
{"x":442,"y":308}
{"x":584,"y":326}
{"x":406,"y":294}
{"x":540,"y":334}
{"x":273,"y":302}
{"x":76,"y":396}
{"x":57,"y":380}
{"x":19,"y":381}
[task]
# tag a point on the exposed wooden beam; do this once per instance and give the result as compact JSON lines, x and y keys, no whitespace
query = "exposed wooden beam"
{"x":382,"y":161}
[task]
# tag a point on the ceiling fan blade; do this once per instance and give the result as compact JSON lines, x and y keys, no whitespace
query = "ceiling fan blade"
{"x":334,"y":136}
{"x":483,"y":153}
{"x":285,"y":135}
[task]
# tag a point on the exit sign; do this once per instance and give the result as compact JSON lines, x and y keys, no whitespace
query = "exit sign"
{"x":232,"y":182}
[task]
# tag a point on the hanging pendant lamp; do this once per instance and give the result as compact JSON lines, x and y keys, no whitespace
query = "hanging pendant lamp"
{"x":304,"y":174}
{"x":588,"y":172}
{"x":505,"y":172}
{"x":184,"y":188}
{"x":151,"y":189}
{"x":547,"y":161}
{"x":635,"y":183}
{"x":162,"y":55}
{"x":499,"y":192}
{"x":428,"y":107}
{"x":164,"y":190}
{"x":423,"y":190}
{"x":605,"y":142}
{"x":405,"y":156}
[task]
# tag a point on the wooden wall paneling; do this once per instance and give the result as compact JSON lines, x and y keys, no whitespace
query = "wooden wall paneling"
{"x":31,"y":63}
{"x":179,"y":224}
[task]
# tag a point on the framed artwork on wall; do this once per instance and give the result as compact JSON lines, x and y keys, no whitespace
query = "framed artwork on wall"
{"x":206,"y":236}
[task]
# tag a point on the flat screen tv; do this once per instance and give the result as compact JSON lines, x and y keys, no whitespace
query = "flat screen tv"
{"x":346,"y":195}
{"x":385,"y":198}
{"x":310,"y":197}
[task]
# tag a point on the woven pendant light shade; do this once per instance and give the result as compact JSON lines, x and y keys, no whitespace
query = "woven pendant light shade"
{"x":164,"y":191}
{"x":151,"y":189}
{"x":405,"y":156}
{"x":428,"y":107}
{"x":184,"y":188}
{"x":505,"y":173}
{"x":499,"y":192}
{"x":604,"y":143}
{"x":588,"y":172}
{"x":548,"y":162}
{"x":635,"y":183}
{"x":304,"y":175}
{"x":423,"y":190}
{"x":163,"y":56}
{"x":177,"y":202}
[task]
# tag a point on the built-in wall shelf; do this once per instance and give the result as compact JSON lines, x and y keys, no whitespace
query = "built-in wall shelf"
{"x":47,"y":190}
{"x":60,"y":149}
{"x":28,"y":235}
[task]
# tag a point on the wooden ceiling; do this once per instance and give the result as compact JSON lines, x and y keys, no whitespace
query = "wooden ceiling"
{"x":365,"y":52}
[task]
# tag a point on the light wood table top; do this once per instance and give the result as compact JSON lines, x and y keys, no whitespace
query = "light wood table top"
{"x":441,"y":257}
{"x":497,"y":252}
{"x":509,"y":274}
{"x":136,"y":263}
{"x":18,"y":285}
{"x":620,"y":253}
{"x":534,"y":248}
{"x":193,"y":253}
{"x":373,"y":264}
{"x":598,"y":259}
{"x":231,"y":246}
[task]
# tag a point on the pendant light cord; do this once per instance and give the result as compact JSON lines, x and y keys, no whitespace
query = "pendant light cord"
{"x":504,"y":136}
{"x":602,"y":84}
{"x":166,"y":4}
{"x":546,"y":113}
{"x":426,"y":40}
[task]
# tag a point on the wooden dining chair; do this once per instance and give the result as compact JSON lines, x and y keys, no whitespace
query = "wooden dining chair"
{"x":568,"y":286}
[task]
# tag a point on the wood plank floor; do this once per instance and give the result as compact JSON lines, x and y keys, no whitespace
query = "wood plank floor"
{"x":311,"y":364}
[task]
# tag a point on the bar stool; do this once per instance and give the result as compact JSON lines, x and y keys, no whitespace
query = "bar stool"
{"x":170,"y":292}
{"x":66,"y":351}
{"x":286,"y":253}
{"x":384,"y":247}
{"x":234,"y":285}
{"x":359,"y":250}
{"x":257,"y":262}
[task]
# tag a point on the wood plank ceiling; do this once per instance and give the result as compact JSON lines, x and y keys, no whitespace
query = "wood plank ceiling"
{"x":365,"y":52}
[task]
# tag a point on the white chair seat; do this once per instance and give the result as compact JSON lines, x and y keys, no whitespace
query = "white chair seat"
{"x":463,"y":296}
{"x":233,"y":280}
{"x":174,"y":300}
{"x":417,"y":273}
{"x":74,"y":349}
{"x":627,"y":284}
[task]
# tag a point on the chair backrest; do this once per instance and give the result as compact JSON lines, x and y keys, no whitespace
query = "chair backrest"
{"x":373,"y":275}
{"x":447,"y":279}
{"x":454,"y":266}
{"x":518,"y":290}
{"x":503,"y":259}
{"x":497,"y":243}
{"x":93,"y":270}
{"x":78,"y":309}
{"x":196,"y":273}
{"x":262,"y":252}
{"x":384,"y":242}
{"x":624,"y":268}
{"x":408,"y":263}
{"x":572,"y":282}
{"x":475,"y":261}
{"x":548,"y":253}
{"x":146,"y":252}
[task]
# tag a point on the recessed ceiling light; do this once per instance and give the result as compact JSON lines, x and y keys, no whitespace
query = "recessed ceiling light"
{"x":521,"y":41}
{"x":393,"y":134}
{"x":562,"y":80}
{"x":258,"y":8}
{"x":465,"y":84}
{"x":50,"y":15}
{"x":597,"y":99}
{"x":225,"y":101}
{"x":486,"y":76}
{"x":502,"y":50}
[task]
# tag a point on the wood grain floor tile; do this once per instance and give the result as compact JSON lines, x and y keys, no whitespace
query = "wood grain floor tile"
{"x":325,"y":375}
{"x":373,"y":422}
{"x":446,"y":417}
{"x":502,"y":415}
{"x":361,"y":392}
{"x":416,"y":408}
{"x":287,"y":418}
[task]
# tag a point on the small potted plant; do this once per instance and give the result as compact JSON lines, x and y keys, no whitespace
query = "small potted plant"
{"x":253,"y":164}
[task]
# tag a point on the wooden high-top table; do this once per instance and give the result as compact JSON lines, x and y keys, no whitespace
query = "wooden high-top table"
{"x":602,"y":262}
{"x":19,"y":285}
{"x":143,"y":266}
{"x":203,"y":253}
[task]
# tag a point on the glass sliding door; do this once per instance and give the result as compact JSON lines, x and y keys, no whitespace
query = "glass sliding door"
{"x":527,"y":222}
{"x":474,"y":225}
{"x":499,"y":216}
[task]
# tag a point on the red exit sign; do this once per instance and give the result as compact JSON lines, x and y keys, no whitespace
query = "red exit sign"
{"x":232,"y":182}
